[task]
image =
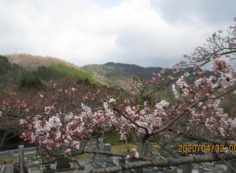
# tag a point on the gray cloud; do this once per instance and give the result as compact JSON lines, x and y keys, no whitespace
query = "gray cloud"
{"x":144,"y":32}
{"x":210,"y":11}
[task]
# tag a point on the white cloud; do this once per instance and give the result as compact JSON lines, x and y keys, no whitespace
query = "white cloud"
{"x":84,"y":32}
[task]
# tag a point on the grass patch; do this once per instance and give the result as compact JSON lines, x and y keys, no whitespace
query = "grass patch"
{"x":112,"y":137}
{"x":123,"y":148}
{"x":85,"y":156}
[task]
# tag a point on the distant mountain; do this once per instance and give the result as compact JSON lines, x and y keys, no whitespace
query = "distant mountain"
{"x":48,"y":68}
{"x":119,"y":74}
{"x":44,"y":69}
{"x":111,"y":69}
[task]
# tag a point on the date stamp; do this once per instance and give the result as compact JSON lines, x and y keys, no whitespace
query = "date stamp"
{"x":206,"y":148}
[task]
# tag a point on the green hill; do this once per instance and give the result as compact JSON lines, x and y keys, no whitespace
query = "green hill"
{"x":118,"y":74}
{"x":49,"y":68}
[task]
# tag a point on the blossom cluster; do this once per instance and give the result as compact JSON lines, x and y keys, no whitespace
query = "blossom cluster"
{"x":63,"y":130}
{"x":140,"y":121}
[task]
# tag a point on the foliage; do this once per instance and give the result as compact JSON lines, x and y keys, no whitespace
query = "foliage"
{"x":31,"y":80}
{"x":4,"y":64}
{"x":10,"y":74}
{"x":47,"y":73}
{"x":70,"y":71}
{"x":79,"y":75}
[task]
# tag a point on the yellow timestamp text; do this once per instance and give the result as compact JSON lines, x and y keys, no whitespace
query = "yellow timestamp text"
{"x":206,"y":148}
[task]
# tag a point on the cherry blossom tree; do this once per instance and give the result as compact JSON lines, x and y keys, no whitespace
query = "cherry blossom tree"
{"x":192,"y":113}
{"x":61,"y":97}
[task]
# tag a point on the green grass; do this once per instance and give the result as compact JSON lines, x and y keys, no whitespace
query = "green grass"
{"x":112,"y":138}
{"x":116,"y":149}
{"x":84,"y":156}
{"x":122,"y":148}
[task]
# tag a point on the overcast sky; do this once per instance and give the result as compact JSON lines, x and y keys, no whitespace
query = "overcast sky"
{"x":143,"y":32}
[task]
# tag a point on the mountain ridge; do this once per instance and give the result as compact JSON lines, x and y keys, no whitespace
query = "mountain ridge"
{"x":32,"y":62}
{"x":118,"y":75}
